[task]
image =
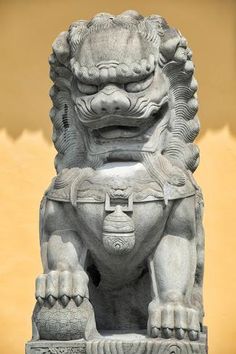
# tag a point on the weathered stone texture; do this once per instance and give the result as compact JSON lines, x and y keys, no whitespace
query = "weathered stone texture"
{"x":121,"y":233}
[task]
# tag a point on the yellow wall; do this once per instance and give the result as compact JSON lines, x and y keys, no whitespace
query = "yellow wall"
{"x":27,"y":28}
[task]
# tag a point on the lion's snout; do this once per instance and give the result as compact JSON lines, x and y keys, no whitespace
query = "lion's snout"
{"x":110,"y":100}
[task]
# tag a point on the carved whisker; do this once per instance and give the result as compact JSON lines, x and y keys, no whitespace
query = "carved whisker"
{"x":140,"y":104}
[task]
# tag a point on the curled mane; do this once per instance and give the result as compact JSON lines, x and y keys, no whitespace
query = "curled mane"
{"x":183,"y":127}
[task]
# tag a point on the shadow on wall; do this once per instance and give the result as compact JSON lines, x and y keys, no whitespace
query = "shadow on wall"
{"x":27,"y":30}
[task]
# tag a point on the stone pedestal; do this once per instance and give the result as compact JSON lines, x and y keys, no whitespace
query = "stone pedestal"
{"x":118,"y":343}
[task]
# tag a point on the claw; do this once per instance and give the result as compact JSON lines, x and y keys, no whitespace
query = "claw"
{"x":40,"y":300}
{"x":78,"y":299}
{"x":180,"y":333}
{"x":193,"y":335}
{"x":155,"y":332}
{"x":51,"y":300}
{"x":65,"y":300}
{"x":167,"y":332}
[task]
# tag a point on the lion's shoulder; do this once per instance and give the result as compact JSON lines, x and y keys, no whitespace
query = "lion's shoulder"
{"x":62,"y":185}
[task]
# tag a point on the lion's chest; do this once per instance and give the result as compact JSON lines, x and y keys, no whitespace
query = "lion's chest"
{"x":117,"y":212}
{"x":146,"y":217}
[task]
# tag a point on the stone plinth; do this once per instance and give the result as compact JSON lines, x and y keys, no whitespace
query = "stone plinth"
{"x":120,"y":344}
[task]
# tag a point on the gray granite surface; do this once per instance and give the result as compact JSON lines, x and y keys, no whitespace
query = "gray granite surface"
{"x":122,"y":242}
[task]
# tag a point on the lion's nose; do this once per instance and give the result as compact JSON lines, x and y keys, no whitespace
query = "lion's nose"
{"x":107,"y":102}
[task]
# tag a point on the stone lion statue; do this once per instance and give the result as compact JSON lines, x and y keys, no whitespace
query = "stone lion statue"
{"x":121,"y":224}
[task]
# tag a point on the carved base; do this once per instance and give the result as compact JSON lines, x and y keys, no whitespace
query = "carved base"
{"x":120,"y":344}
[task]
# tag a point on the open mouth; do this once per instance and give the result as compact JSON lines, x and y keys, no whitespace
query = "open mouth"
{"x":119,"y":131}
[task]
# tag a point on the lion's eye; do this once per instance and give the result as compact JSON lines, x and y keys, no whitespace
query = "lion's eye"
{"x":87,"y":89}
{"x":139,"y":85}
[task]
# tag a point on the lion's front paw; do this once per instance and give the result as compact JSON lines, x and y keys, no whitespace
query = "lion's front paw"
{"x":63,"y":286}
{"x":173,"y":320}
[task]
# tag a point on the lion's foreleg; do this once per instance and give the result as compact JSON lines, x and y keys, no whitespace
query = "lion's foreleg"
{"x":62,"y":290}
{"x":172,"y":267}
{"x":63,"y":256}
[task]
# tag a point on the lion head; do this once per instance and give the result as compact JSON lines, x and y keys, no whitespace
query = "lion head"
{"x":123,"y":89}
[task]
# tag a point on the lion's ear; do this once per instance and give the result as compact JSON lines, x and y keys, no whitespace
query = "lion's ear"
{"x":61,"y":48}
